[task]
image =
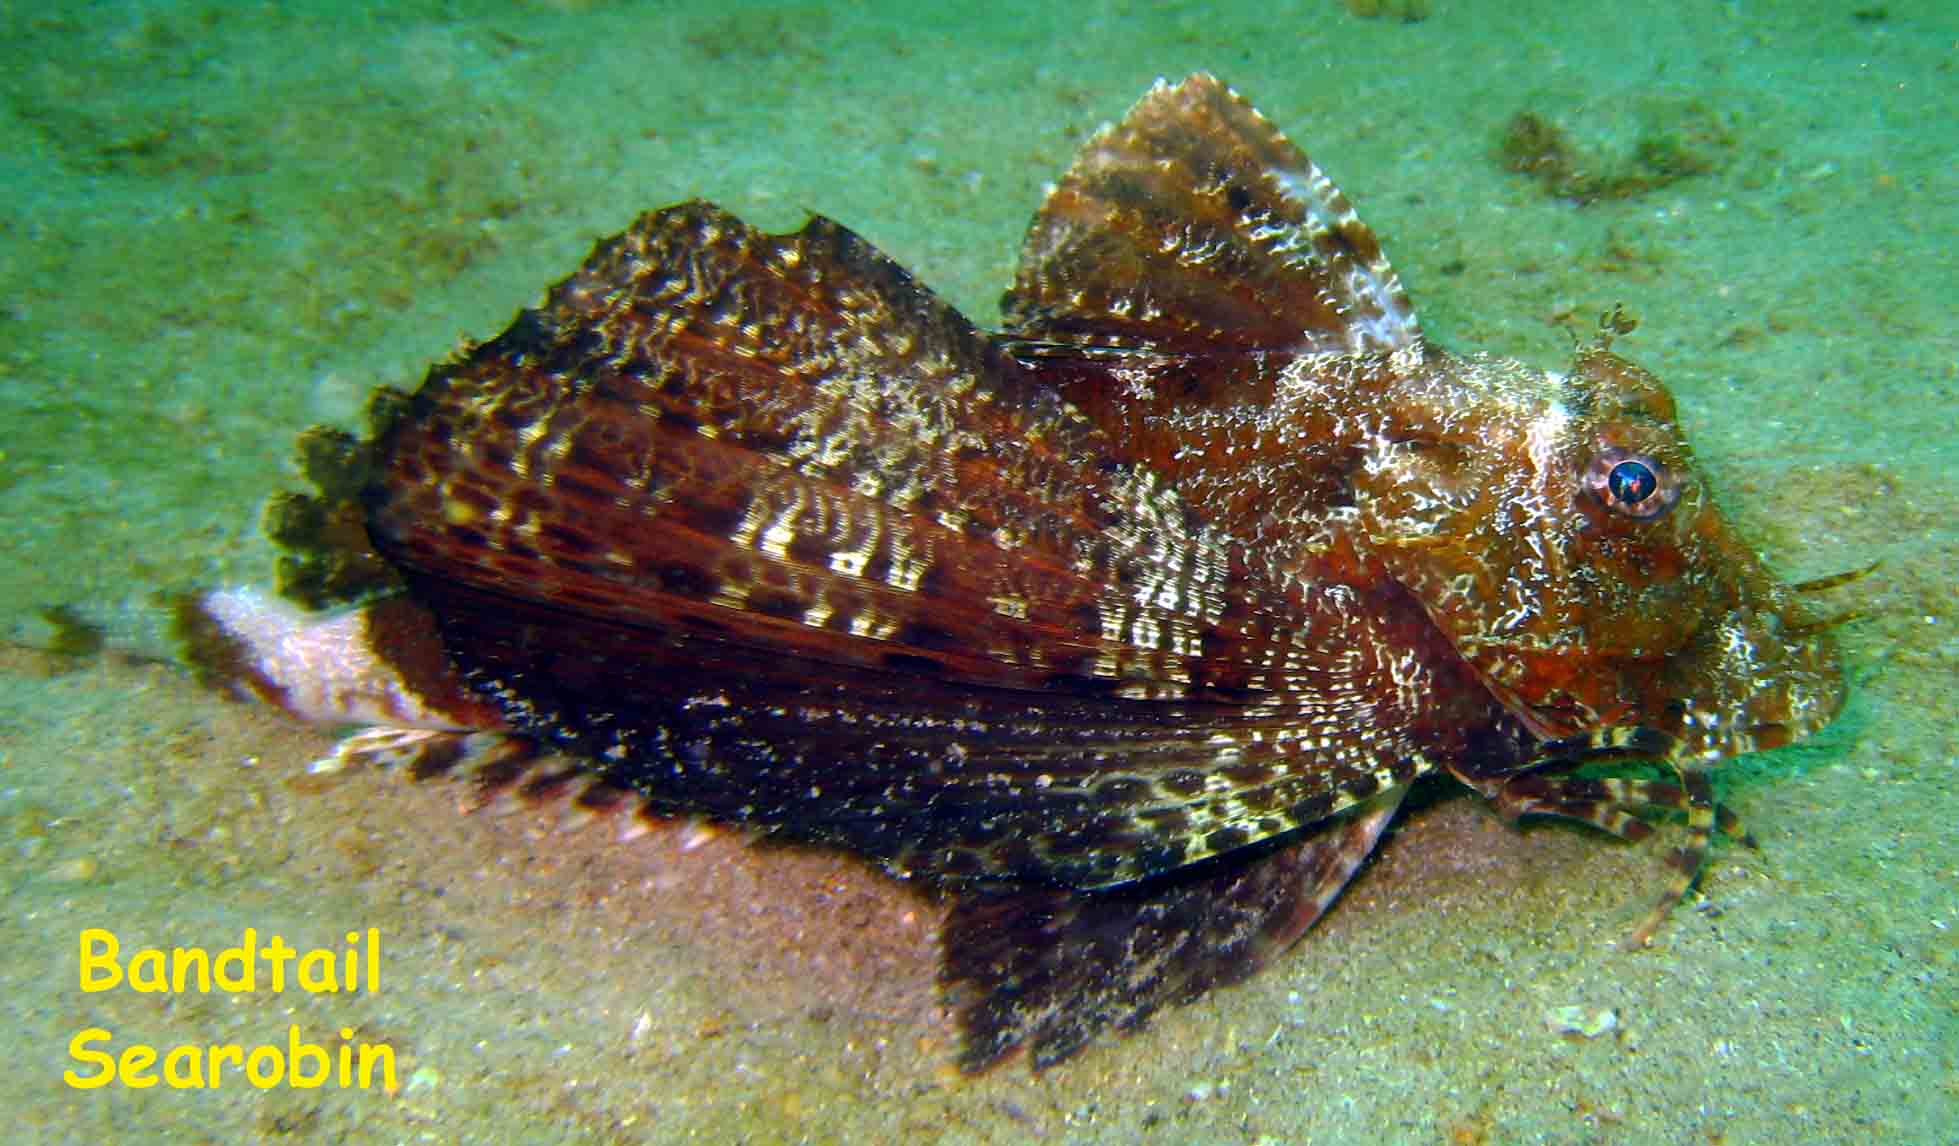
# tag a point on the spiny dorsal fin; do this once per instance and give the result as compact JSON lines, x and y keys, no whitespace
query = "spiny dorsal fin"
{"x":1195,"y":225}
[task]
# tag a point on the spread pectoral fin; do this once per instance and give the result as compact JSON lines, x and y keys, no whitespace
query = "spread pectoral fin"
{"x":937,"y":778}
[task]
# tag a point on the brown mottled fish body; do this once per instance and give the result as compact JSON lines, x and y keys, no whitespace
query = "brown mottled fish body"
{"x":1127,"y":627}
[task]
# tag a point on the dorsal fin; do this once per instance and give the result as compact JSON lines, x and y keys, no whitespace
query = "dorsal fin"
{"x":1195,"y":225}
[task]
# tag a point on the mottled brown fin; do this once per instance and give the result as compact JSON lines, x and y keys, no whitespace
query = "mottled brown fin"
{"x":777,"y":537}
{"x":1046,"y":969}
{"x":937,"y":778}
{"x":1195,"y":226}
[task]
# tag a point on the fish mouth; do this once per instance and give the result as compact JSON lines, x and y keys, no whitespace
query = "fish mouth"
{"x":1693,"y":716}
{"x":1770,"y":685}
{"x":1760,"y":678}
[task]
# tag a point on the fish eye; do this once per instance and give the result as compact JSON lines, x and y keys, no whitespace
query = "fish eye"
{"x":1631,"y":484}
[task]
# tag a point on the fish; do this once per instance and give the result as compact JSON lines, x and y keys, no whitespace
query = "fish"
{"x":1124,"y":629}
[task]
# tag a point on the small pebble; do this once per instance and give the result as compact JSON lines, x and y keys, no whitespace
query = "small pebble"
{"x":77,"y":870}
{"x":1586,"y":1022}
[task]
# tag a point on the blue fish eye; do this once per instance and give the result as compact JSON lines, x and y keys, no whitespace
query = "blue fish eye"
{"x":1631,"y":482}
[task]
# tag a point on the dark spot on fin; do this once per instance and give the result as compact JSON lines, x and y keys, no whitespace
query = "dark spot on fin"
{"x":1048,"y":969}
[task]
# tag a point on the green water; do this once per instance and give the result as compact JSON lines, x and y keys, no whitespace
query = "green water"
{"x":221,"y":223}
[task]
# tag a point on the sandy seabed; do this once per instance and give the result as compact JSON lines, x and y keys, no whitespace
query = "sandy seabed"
{"x":223,"y":224}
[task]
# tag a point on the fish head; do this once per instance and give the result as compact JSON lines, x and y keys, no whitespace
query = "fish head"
{"x":1556,"y":527}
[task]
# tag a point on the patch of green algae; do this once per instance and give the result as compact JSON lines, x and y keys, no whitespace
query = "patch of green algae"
{"x":1674,"y":138}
